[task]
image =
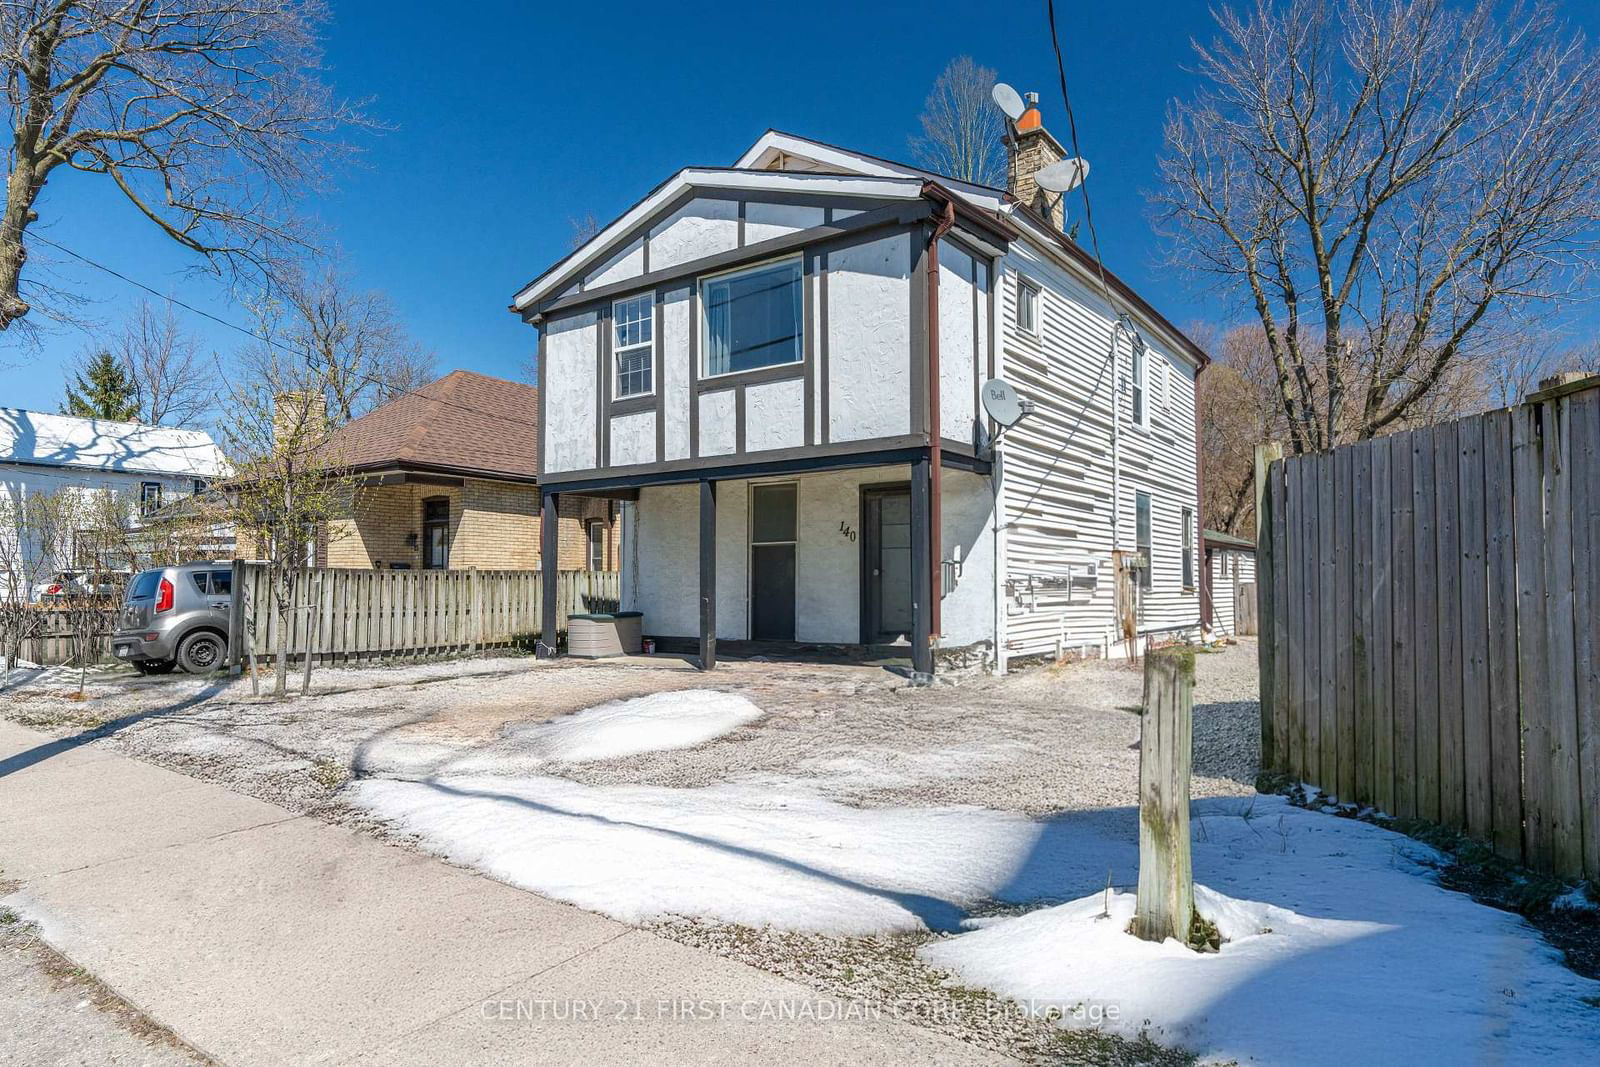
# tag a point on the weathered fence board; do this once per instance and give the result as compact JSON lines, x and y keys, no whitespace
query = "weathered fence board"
{"x":1435,"y":625}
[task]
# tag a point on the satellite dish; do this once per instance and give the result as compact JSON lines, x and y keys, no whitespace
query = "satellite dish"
{"x":1007,"y":100}
{"x":1002,"y":404}
{"x":1062,"y":177}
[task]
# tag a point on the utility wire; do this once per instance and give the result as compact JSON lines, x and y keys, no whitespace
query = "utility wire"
{"x":307,"y":356}
{"x":1120,"y":323}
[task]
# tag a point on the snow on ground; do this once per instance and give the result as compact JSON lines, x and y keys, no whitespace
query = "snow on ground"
{"x":1341,"y":949}
{"x":738,"y":852}
{"x":654,"y":723}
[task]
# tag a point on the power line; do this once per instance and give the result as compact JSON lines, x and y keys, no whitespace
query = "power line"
{"x":309,"y":357}
{"x":1119,"y":323}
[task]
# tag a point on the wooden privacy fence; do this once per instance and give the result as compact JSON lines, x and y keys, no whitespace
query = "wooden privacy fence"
{"x":50,"y":637}
{"x":1430,"y":625}
{"x":342,"y":615}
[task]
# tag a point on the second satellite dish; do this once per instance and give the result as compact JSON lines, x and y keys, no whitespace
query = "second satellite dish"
{"x":1001,"y":402}
{"x":1007,"y":100}
{"x":1063,"y":177}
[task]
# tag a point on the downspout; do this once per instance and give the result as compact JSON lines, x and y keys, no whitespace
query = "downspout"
{"x":1203,"y":575}
{"x":946,"y":219}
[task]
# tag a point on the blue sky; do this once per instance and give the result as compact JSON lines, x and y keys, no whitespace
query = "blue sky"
{"x":512,"y":123}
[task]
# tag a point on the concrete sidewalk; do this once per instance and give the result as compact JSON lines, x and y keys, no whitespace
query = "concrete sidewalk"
{"x":259,"y":936}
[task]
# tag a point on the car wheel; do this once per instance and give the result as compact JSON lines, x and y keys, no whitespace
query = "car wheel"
{"x":154,"y":666}
{"x":201,"y":653}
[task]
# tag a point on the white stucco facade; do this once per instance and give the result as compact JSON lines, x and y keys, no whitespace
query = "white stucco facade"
{"x":660,"y":557}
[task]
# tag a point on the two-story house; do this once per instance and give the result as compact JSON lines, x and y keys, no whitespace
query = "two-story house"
{"x":777,"y":367}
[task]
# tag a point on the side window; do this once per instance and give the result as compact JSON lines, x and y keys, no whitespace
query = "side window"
{"x":1027,"y":306}
{"x":149,"y":497}
{"x":597,"y":544}
{"x":1141,"y":507}
{"x":1188,"y":548}
{"x":221,"y":583}
{"x":199,"y":581}
{"x":1141,"y":406}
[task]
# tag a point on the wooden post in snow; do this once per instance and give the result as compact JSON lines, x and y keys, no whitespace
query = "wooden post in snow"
{"x":1166,"y":879}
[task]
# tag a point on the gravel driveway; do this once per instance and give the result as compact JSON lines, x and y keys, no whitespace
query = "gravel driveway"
{"x":1039,"y":741}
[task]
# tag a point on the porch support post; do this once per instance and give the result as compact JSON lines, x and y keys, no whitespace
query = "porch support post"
{"x":922,"y":591}
{"x":549,"y":571}
{"x":708,"y":574}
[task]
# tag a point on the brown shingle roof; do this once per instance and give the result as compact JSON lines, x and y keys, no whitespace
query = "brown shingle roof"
{"x":464,"y":422}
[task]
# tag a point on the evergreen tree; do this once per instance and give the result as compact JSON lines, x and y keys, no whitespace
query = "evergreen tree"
{"x":108,"y":392}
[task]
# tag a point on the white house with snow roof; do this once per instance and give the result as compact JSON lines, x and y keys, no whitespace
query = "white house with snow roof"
{"x":42,"y":453}
{"x":778,"y":365}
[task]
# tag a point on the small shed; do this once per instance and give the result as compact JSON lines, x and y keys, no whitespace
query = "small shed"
{"x":1231,"y":573}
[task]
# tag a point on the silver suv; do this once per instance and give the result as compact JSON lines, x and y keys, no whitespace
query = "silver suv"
{"x":176,"y":617}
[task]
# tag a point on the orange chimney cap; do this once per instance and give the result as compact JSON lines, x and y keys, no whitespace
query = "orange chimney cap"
{"x":1031,"y":119}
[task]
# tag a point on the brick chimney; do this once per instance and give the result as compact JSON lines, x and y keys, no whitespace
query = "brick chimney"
{"x":298,"y":417}
{"x":1034,"y":148}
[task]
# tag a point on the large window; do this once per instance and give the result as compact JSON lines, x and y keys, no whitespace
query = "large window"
{"x":633,"y":333}
{"x":436,"y":533}
{"x":753,"y":318}
{"x":1141,"y":526}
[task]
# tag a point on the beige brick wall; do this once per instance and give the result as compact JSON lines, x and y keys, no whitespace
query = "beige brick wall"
{"x":493,"y":526}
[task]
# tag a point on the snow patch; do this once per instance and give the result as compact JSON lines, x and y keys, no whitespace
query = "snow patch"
{"x":1340,"y":949}
{"x":740,"y":853}
{"x":653,"y":723}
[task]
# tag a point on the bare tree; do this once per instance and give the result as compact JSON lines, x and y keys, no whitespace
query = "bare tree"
{"x":209,"y":117}
{"x":36,"y":540}
{"x":171,"y":377}
{"x":961,"y":127}
{"x":287,"y":483}
{"x":1388,"y":184}
{"x":350,"y":341}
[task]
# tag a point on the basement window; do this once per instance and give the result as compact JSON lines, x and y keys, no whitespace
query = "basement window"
{"x":632,"y":323}
{"x":753,"y":318}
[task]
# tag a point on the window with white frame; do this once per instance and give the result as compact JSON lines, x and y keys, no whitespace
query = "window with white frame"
{"x":1143,"y":538}
{"x":633,"y":337}
{"x":753,"y":318}
{"x":1188,"y":549}
{"x":149,"y":497}
{"x":1141,"y":402}
{"x":597,"y":544}
{"x":1027,"y":306}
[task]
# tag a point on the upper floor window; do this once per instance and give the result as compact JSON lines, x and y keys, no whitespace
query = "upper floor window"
{"x":1141,"y":398}
{"x":632,"y":323}
{"x":1027,"y":306}
{"x":753,"y":318}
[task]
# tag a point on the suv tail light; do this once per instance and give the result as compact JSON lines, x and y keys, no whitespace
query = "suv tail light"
{"x":53,"y":589}
{"x":164,"y":597}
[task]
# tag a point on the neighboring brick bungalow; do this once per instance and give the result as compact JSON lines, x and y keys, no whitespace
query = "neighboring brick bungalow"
{"x":446,"y":477}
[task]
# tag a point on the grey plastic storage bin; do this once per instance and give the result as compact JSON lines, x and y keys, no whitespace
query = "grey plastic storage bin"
{"x":597,"y":635}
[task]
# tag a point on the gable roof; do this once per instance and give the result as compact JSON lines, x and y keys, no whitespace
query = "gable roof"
{"x":725,"y":179}
{"x":39,"y":439}
{"x":465,"y":422}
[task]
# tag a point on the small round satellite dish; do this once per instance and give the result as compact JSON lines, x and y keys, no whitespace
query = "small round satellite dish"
{"x":1063,"y":177}
{"x":1007,"y":100}
{"x":1001,"y":402}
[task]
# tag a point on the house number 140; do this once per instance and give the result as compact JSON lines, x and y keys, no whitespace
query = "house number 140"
{"x":845,"y":531}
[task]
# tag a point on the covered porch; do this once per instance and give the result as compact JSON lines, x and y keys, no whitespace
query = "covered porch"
{"x":829,"y":557}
